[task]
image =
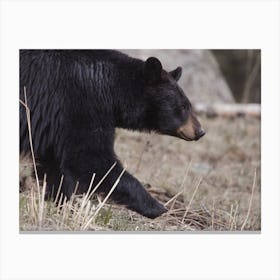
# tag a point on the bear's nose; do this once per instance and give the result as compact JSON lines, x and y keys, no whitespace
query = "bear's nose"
{"x":200,"y":133}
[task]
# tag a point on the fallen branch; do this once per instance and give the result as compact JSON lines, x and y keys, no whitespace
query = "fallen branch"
{"x":228,"y":110}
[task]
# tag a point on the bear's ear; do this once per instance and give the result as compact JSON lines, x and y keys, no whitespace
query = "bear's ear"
{"x":152,"y":70}
{"x":176,"y":74}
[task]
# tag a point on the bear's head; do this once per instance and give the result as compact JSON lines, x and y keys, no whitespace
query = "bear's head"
{"x":170,"y":111}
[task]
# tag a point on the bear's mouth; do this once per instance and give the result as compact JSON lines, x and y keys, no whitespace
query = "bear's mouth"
{"x":198,"y":134}
{"x":181,"y":135}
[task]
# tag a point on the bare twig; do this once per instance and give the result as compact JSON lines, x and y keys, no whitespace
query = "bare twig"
{"x":41,"y":210}
{"x":173,"y":198}
{"x":188,"y":207}
{"x":84,"y":200}
{"x":182,"y":189}
{"x":250,"y":202}
{"x":213,"y":215}
{"x":103,"y":178}
{"x":234,"y":218}
{"x":30,"y":139}
{"x":104,"y":201}
{"x":59,"y":188}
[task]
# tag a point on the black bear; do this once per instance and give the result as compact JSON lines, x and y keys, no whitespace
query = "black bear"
{"x":78,"y":97}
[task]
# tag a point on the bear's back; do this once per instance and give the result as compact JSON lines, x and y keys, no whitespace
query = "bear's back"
{"x":56,"y":80}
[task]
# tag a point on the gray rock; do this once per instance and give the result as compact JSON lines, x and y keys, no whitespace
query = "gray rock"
{"x":201,"y":80}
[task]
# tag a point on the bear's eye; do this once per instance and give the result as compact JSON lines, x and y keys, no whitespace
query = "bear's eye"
{"x":184,"y":106}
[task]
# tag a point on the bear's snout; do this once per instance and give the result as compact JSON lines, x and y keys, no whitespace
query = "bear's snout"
{"x":191,"y":130}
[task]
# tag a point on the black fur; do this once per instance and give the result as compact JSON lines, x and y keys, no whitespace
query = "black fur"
{"x":77,"y":98}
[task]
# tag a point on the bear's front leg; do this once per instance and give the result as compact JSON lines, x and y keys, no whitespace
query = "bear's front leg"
{"x":133,"y":195}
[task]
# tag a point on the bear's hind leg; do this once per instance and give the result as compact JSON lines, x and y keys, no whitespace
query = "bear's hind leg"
{"x":49,"y":168}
